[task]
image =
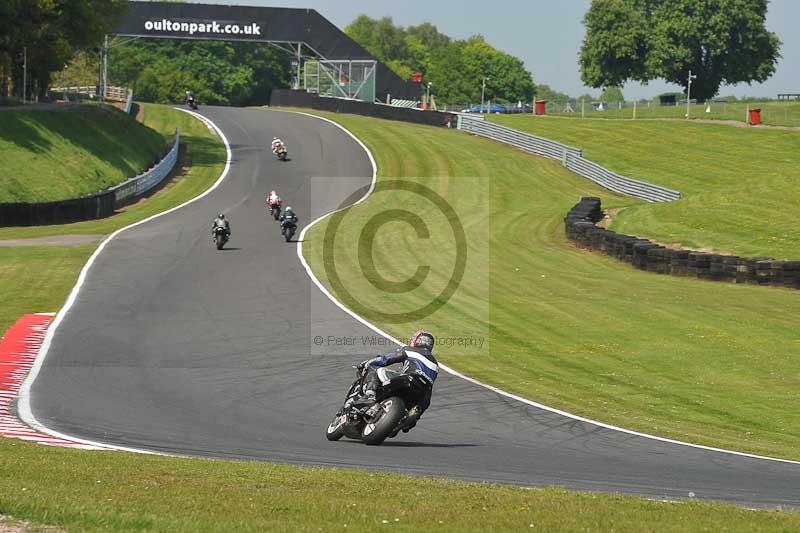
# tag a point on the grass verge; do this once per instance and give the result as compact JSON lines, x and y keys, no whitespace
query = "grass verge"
{"x":739,"y":185}
{"x":772,"y":113}
{"x":206,"y":158}
{"x":124,"y":492}
{"x":704,"y":362}
{"x":56,"y":155}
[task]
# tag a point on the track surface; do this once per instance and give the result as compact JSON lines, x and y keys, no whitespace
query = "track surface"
{"x":176,"y":347}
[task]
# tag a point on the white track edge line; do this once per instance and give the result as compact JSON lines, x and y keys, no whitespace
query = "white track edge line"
{"x":24,"y":398}
{"x":474,"y":381}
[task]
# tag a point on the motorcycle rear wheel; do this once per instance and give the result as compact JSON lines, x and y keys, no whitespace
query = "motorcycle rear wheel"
{"x":394,"y":409}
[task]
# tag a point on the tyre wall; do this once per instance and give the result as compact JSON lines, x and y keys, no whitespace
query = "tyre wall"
{"x":581,"y":227}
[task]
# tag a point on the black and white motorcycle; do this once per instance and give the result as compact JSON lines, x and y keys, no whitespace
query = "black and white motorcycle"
{"x":220,"y":237}
{"x":394,"y":410}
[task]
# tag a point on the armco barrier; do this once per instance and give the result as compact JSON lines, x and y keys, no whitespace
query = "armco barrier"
{"x":142,"y":183}
{"x":129,"y":102}
{"x":294,"y":98}
{"x":570,"y":157}
{"x":581,"y":228}
{"x":99,"y":205}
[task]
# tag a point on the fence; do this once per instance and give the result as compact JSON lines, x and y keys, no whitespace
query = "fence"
{"x":142,"y":183}
{"x":570,"y":157}
{"x":98,"y":205}
{"x":580,"y":226}
{"x":117,"y":94}
{"x":773,"y":112}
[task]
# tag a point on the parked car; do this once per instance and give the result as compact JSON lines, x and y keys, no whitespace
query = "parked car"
{"x":486,"y":108}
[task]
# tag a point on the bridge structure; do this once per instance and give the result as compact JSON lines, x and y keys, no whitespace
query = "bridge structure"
{"x":325,"y":59}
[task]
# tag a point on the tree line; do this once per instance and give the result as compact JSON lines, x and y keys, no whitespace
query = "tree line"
{"x":45,"y":35}
{"x":720,"y":41}
{"x":456,"y":68}
{"x":216,"y":72}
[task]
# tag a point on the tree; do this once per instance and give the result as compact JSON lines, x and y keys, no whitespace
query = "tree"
{"x":612,"y":95}
{"x":508,"y":79}
{"x":217,"y":72}
{"x":720,"y":41}
{"x":53,"y":31}
{"x":545,"y":92}
{"x":455,"y":67}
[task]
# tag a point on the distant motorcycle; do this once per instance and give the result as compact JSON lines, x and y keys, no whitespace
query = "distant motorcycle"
{"x":288,"y":229}
{"x":389,"y":415}
{"x":220,"y":237}
{"x":192,"y":103}
{"x":275,"y":209}
{"x":281,"y":152}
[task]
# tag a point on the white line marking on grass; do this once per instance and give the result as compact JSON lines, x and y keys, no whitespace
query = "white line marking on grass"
{"x":474,"y":381}
{"x":24,"y":401}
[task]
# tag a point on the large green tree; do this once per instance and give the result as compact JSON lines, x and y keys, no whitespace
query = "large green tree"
{"x":53,"y":32}
{"x":720,"y":41}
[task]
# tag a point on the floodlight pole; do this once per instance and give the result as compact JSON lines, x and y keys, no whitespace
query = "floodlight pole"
{"x":483,"y":92}
{"x":105,"y":70}
{"x":689,"y":93}
{"x":24,"y":73}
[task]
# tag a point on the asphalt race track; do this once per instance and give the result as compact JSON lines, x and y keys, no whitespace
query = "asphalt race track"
{"x":176,"y":347}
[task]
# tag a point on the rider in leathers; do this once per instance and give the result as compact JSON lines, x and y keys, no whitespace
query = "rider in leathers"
{"x":223,"y":222}
{"x":417,"y":359}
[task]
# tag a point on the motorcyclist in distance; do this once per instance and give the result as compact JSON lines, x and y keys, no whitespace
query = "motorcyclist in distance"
{"x":273,"y":198}
{"x":221,"y":221}
{"x":288,"y":217}
{"x":276,"y":143}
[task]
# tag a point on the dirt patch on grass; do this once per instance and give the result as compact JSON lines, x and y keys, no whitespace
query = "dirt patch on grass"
{"x":10,"y":525}
{"x":608,"y":216}
{"x":54,"y":240}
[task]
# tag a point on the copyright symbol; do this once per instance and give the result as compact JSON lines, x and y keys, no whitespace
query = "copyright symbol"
{"x":366,"y":262}
{"x":318,"y":340}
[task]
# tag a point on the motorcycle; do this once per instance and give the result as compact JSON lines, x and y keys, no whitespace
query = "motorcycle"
{"x":275,"y":209}
{"x":220,"y":237}
{"x":281,"y":152}
{"x":287,"y":229}
{"x":192,"y":103}
{"x":395,"y":409}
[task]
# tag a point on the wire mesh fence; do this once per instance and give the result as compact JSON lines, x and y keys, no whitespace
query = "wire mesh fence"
{"x":772,"y":112}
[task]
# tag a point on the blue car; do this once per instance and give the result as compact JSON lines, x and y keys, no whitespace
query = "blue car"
{"x":486,"y":108}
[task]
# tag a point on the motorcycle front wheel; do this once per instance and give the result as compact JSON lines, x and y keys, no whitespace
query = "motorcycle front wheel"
{"x":335,"y":429}
{"x":375,"y":432}
{"x":220,"y":242}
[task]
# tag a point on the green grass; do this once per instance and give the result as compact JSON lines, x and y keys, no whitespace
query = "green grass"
{"x":772,"y":113}
{"x":109,"y":491}
{"x":206,"y":155}
{"x":37,"y":279}
{"x":739,"y":185}
{"x":56,"y":155}
{"x":705,"y":362}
